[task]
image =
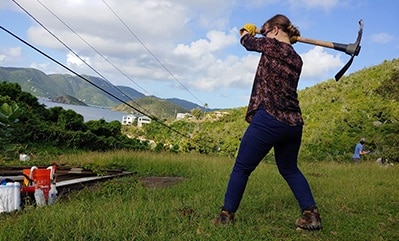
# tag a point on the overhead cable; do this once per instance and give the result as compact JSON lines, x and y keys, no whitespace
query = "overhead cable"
{"x":80,"y":58}
{"x":87,"y":80}
{"x":151,"y":53}
{"x":92,"y":47}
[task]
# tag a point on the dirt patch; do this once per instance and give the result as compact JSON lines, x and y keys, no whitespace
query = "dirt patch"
{"x":159,"y":182}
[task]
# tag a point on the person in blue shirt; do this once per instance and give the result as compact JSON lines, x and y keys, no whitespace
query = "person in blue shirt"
{"x":359,"y":150}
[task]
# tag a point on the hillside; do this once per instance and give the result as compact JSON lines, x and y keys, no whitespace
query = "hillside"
{"x":364,"y":104}
{"x":336,"y":115}
{"x":152,"y":106}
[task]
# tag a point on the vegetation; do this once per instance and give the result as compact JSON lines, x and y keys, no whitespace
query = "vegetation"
{"x":336,"y":115}
{"x":357,"y":202}
{"x":152,"y":106}
{"x":67,"y":99}
{"x":28,"y":127}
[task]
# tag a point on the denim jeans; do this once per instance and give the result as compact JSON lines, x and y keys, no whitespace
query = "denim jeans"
{"x":262,"y":134}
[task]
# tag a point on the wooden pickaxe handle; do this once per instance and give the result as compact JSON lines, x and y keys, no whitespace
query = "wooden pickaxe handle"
{"x":347,"y":48}
{"x":314,"y":42}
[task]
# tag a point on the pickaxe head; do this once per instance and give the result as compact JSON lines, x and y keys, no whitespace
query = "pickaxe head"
{"x":352,"y":49}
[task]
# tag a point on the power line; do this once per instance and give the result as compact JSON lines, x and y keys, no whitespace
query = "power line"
{"x":151,"y":53}
{"x":98,"y":52}
{"x":94,"y":49}
{"x":66,"y":46}
{"x":82,"y":77}
{"x":87,"y":80}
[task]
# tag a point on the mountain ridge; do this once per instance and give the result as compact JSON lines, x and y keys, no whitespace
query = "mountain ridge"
{"x":64,"y":86}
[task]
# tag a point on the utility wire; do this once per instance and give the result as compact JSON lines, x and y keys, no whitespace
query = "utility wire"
{"x":82,"y":77}
{"x":66,"y":46}
{"x":98,"y":52}
{"x":94,"y":49}
{"x":149,"y":51}
{"x":87,"y":80}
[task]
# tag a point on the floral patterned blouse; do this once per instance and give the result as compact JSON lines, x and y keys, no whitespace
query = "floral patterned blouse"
{"x":276,"y":80}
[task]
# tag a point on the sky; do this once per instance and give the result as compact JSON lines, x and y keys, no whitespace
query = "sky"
{"x":188,"y":49}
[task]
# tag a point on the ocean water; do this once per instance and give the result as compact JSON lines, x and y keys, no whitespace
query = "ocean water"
{"x":88,"y":112}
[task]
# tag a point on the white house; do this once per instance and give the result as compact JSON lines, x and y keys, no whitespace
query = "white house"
{"x":143,"y":120}
{"x":181,"y":116}
{"x":128,"y":120}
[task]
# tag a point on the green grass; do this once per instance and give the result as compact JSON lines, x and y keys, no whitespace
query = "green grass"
{"x":357,"y":202}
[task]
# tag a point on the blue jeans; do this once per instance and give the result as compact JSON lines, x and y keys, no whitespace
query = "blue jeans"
{"x":262,"y":134}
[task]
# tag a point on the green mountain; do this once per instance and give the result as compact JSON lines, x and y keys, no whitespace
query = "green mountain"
{"x":31,"y":80}
{"x":58,"y":86}
{"x":54,"y":85}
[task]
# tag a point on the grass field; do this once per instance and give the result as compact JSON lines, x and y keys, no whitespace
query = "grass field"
{"x":357,"y":202}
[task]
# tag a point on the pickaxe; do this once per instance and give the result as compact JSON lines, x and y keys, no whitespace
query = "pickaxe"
{"x":352,"y":49}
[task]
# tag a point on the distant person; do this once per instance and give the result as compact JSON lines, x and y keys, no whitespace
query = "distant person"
{"x":275,"y":120}
{"x":359,"y":151}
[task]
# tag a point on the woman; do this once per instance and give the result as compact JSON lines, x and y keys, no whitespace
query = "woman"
{"x":275,"y":120}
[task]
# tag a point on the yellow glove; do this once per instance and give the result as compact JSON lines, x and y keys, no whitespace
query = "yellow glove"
{"x":250,"y":28}
{"x":294,"y":39}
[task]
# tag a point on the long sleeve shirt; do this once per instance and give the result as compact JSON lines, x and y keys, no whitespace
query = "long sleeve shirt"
{"x":276,"y":80}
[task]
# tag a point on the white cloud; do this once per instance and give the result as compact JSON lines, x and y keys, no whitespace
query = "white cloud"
{"x":382,"y":38}
{"x":10,"y":54}
{"x":41,"y":66}
{"x":203,"y":69}
{"x":216,"y":41}
{"x":73,"y":60}
{"x":14,"y":52}
{"x":317,"y":62}
{"x":232,"y":72}
{"x":209,"y":14}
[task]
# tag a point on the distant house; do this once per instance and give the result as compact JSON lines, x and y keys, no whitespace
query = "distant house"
{"x":128,"y":120}
{"x":143,"y":120}
{"x":181,"y":116}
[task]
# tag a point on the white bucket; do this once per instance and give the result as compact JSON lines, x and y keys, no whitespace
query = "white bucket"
{"x":10,"y":197}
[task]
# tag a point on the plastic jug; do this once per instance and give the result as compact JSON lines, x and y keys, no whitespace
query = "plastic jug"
{"x":10,"y":196}
{"x":52,"y":194}
{"x":39,"y":197}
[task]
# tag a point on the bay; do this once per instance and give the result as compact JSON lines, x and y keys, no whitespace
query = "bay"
{"x":88,"y":112}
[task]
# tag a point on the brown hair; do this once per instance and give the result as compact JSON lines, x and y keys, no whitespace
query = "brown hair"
{"x":283,"y":23}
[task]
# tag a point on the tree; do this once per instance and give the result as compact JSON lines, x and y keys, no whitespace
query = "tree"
{"x":197,"y":113}
{"x":8,"y":116}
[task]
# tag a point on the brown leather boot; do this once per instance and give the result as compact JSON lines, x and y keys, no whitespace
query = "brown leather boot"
{"x":224,"y":217}
{"x":309,"y":220}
